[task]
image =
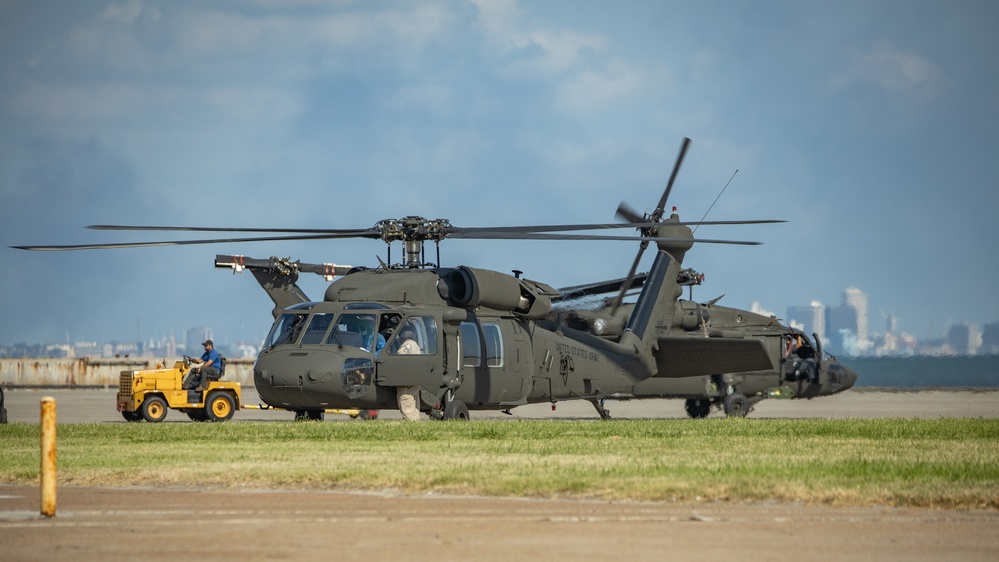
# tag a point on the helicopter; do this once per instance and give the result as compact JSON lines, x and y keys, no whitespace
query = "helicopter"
{"x":801,"y":370}
{"x":734,"y":393}
{"x":486,"y":340}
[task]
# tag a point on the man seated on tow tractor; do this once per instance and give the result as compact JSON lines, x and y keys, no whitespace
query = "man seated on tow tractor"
{"x":210,"y":370}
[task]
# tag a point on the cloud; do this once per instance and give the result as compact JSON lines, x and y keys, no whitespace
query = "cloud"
{"x":529,"y":52}
{"x":594,"y":88}
{"x":893,"y":71}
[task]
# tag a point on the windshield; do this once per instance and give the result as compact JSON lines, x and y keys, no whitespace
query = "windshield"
{"x":356,"y":330}
{"x":367,"y":331}
{"x":285,"y":330}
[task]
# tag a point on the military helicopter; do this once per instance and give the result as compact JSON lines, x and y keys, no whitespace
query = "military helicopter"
{"x":485,"y":339}
{"x":800,"y":368}
{"x":792,"y":377}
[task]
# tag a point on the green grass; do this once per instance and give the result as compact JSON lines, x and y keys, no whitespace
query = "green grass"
{"x":952,"y":463}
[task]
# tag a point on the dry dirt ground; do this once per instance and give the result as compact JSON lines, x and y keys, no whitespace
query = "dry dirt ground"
{"x":173,"y":524}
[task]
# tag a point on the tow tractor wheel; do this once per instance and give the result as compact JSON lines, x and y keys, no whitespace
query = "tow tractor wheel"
{"x":456,"y":410}
{"x":219,"y":406}
{"x":153,"y":409}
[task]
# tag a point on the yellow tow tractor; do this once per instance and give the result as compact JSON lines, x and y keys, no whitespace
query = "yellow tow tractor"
{"x":149,"y":394}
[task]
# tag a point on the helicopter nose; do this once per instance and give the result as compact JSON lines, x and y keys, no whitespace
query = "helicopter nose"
{"x":295,"y":378}
{"x":848,"y":378}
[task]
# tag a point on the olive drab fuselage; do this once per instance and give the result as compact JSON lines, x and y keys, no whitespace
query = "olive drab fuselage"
{"x":483,"y":339}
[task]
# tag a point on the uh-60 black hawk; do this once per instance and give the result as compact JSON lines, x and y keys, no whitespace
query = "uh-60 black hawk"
{"x":464,"y":338}
{"x":800,"y":369}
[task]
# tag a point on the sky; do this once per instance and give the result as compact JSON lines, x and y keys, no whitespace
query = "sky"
{"x":871,"y":126}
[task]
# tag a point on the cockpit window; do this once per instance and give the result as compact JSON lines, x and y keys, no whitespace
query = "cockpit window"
{"x":286,"y":330}
{"x":317,"y":328}
{"x":356,"y":330}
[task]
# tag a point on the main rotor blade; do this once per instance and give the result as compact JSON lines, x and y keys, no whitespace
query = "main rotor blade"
{"x":547,"y":236}
{"x":476,"y":232}
{"x":598,"y":288}
{"x":178,"y":242}
{"x":359,"y":232}
{"x":470,"y":232}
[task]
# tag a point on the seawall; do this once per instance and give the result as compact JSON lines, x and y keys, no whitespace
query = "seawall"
{"x":91,"y":373}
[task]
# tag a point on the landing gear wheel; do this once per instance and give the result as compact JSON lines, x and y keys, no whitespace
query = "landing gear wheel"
{"x":309,"y":415}
{"x":456,"y":410}
{"x":736,"y":406}
{"x":697,"y":408}
{"x":132,"y":416}
{"x":153,"y":409}
{"x":219,"y":406}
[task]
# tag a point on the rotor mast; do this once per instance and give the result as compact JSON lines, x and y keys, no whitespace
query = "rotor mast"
{"x":413,"y":231}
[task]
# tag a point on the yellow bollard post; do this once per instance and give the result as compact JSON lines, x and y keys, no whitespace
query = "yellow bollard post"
{"x":48,"y":476}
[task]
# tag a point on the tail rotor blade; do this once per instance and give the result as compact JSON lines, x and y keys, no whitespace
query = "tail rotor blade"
{"x":672,"y":178}
{"x":627,"y":213}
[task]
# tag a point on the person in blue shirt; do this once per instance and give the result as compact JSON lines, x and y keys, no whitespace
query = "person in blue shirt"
{"x":211,"y":364}
{"x":369,"y":336}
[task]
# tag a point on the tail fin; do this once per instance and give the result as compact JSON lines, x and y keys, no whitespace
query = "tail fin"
{"x":653,"y":313}
{"x":663,"y":352}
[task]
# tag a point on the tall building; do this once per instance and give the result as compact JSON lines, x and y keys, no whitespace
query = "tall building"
{"x":195,"y":337}
{"x":990,"y":339}
{"x":846,"y":324}
{"x":812,"y":318}
{"x":963,"y":339}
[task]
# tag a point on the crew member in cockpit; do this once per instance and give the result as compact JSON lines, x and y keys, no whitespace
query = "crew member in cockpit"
{"x":369,"y":338}
{"x":801,"y":357}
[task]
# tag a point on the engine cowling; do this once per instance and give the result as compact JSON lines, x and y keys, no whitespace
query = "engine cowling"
{"x":481,"y":287}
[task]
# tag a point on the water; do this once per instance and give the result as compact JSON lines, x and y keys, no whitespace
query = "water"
{"x":921,"y":372}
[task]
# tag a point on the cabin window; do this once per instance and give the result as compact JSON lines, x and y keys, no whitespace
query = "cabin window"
{"x":286,"y":330}
{"x":317,"y":328}
{"x":470,"y":346}
{"x":494,"y":344}
{"x":421,"y":331}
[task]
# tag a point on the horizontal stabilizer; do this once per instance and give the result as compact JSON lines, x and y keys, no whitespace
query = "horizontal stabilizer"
{"x":690,"y":356}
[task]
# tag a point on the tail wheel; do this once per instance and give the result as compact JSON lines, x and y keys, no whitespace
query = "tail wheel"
{"x":153,"y":409}
{"x":220,"y":406}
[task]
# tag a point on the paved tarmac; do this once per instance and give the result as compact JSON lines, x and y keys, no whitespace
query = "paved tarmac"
{"x":179,"y":524}
{"x":98,"y":405}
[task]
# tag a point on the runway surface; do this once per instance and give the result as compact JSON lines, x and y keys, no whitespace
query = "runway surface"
{"x":174,"y":524}
{"x":98,"y":405}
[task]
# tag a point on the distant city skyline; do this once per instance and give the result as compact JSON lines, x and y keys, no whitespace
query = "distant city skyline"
{"x":843,"y":328}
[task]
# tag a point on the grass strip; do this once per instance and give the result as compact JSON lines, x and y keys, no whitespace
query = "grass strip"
{"x":946,"y":463}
